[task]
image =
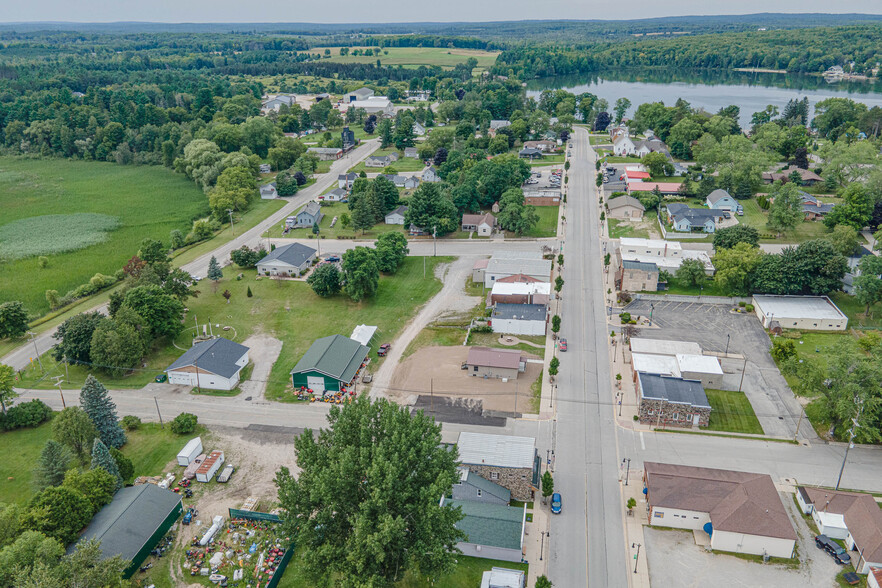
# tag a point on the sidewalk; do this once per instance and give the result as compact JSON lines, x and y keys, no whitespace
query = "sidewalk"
{"x":535,"y":544}
{"x":634,"y":528}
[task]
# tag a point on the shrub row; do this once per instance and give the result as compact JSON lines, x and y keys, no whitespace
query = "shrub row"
{"x":26,"y":414}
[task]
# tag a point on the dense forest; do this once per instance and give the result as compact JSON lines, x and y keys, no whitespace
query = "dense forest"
{"x":798,"y":50}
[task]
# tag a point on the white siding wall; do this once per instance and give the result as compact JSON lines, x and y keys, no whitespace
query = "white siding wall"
{"x":210,"y":381}
{"x":678,"y":519}
{"x":517,"y":327}
{"x":753,"y":544}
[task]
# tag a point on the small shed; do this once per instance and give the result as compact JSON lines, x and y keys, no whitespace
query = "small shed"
{"x":190,"y":451}
{"x":210,"y":466}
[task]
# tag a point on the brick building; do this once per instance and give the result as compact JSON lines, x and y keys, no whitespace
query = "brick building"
{"x":511,"y":462}
{"x":670,"y":401}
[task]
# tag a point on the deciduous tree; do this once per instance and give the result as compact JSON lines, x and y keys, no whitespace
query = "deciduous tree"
{"x":391,"y":250}
{"x":786,"y":210}
{"x":13,"y":319}
{"x":361,"y":273}
{"x":367,"y":498}
{"x":735,"y":267}
{"x":7,"y":390}
{"x":73,"y":427}
{"x":728,"y":237}
{"x":868,"y":285}
{"x":58,"y":512}
{"x":691,"y":272}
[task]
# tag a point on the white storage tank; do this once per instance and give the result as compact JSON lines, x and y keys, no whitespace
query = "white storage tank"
{"x":190,"y":451}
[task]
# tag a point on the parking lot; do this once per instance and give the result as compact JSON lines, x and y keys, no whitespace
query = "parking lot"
{"x":715,"y":327}
{"x":675,"y":560}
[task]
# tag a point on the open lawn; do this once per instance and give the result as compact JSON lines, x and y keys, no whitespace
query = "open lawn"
{"x":732,"y":412}
{"x":549,"y":159}
{"x":466,"y":574}
{"x":617,"y":159}
{"x":150,"y":448}
{"x":413,"y":57}
{"x":757,"y":218}
{"x":156,"y":201}
{"x":619,"y":228}
{"x":547,"y":225}
{"x":336,"y":209}
{"x":598,"y":140}
{"x":404,"y":164}
{"x":855,"y":311}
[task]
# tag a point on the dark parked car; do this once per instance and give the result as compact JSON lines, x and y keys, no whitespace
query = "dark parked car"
{"x":333,"y":258}
{"x":555,"y":503}
{"x":384,"y":349}
{"x":837,"y":551}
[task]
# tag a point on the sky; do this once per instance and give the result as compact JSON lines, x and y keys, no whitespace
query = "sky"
{"x":374,"y":11}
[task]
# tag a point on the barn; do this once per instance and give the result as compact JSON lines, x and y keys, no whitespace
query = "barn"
{"x":329,"y":365}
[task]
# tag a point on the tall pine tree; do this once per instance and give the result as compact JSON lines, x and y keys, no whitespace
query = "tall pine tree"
{"x":101,"y":409}
{"x":214,"y":270}
{"x":52,"y":465}
{"x":101,"y":458}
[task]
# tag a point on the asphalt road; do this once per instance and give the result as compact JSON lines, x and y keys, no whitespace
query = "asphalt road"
{"x":587,"y":541}
{"x":21,"y":357}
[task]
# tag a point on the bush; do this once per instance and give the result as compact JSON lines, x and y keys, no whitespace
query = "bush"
{"x":184,"y":424}
{"x":748,"y":307}
{"x":130,"y":423}
{"x":625,"y":316}
{"x":742,"y":304}
{"x":482,"y":329}
{"x":26,"y":414}
{"x":783,"y":349}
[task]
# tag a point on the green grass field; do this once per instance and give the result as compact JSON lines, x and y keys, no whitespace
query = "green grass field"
{"x":404,"y":164}
{"x":337,"y":209}
{"x":855,"y":311}
{"x":413,"y":57}
{"x":619,"y":228}
{"x":150,"y":448}
{"x":732,"y":412}
{"x":466,"y":574}
{"x":757,"y":218}
{"x":547,"y":225}
{"x":147,"y":201}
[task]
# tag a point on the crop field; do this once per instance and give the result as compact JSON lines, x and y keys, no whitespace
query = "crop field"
{"x":413,"y":57}
{"x":86,"y":217}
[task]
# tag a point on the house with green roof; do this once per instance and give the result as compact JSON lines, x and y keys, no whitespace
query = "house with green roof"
{"x":493,"y":531}
{"x":331,"y":364}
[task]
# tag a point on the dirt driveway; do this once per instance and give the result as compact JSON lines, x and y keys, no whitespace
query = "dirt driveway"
{"x":436,"y":370}
{"x":263,"y":352}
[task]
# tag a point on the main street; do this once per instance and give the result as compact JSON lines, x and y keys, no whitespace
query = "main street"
{"x":587,"y":545}
{"x":21,"y":357}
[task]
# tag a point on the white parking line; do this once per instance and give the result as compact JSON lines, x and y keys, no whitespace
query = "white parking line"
{"x":642,"y":445}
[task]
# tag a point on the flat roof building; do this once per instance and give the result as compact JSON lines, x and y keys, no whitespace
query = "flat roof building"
{"x":811,"y":313}
{"x":664,"y":347}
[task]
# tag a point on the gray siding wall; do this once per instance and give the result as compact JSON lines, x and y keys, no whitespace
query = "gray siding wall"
{"x":466,"y":491}
{"x":487,"y":552}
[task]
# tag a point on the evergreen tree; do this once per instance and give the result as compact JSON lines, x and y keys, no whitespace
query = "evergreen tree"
{"x":363,"y":214}
{"x":101,"y":409}
{"x":52,"y":465}
{"x":214,"y":270}
{"x":101,"y":458}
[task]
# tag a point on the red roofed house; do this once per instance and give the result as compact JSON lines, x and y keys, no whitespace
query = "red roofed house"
{"x":666,"y":188}
{"x":741,"y":511}
{"x":636,"y":176}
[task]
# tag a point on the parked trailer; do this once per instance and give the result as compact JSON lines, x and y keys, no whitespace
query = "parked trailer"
{"x":210,"y":466}
{"x":190,"y":472}
{"x":190,"y":451}
{"x":224,"y":476}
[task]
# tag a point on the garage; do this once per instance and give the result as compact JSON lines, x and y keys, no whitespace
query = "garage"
{"x":214,"y":364}
{"x":181,"y":378}
{"x":316,"y":384}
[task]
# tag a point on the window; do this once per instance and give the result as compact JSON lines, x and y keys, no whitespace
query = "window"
{"x":476,"y":368}
{"x":676,"y":416}
{"x":479,"y":492}
{"x":494,"y":475}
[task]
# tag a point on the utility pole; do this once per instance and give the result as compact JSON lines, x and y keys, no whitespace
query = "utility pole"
{"x":851,"y":433}
{"x":743,"y":369}
{"x":58,"y":382}
{"x":727,"y":341}
{"x":230,"y":210}
{"x":628,"y":470}
{"x":434,"y":241}
{"x":542,"y":546}
{"x":36,"y":351}
{"x":161,"y":425}
{"x":798,"y":423}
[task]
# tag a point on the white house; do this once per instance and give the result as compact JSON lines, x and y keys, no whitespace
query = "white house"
{"x":288,"y":260}
{"x":268,"y":191}
{"x":809,"y":313}
{"x":721,"y":200}
{"x":335,"y":195}
{"x":519,"y":319}
{"x":430,"y":174}
{"x":482,"y":224}
{"x":419,"y":130}
{"x":740,"y":511}
{"x":213,"y":364}
{"x":396,"y":217}
{"x":345,"y":181}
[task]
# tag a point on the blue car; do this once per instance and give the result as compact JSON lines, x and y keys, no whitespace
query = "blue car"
{"x":555,"y":503}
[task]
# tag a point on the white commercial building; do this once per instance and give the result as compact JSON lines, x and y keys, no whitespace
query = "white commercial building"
{"x":666,"y":255}
{"x":213,"y":364}
{"x":664,"y":347}
{"x":379,"y":105}
{"x":740,"y":511}
{"x":539,"y":269}
{"x":519,"y":319}
{"x":810,"y":313}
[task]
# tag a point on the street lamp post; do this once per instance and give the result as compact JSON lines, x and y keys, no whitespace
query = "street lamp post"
{"x":851,"y":433}
{"x":542,"y":546}
{"x":637,"y":556}
{"x":651,"y":308}
{"x":230,"y":210}
{"x":628,"y":470}
{"x":728,"y":336}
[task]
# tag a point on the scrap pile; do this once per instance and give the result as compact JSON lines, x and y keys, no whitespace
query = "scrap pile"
{"x":241,"y":550}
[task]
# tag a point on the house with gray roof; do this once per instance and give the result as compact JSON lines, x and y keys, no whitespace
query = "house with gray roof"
{"x":813,"y":208}
{"x":335,"y":195}
{"x":288,"y":260}
{"x":133,"y":523}
{"x":671,"y":401}
{"x":471,"y":486}
{"x":512,"y":462}
{"x":719,"y":199}
{"x":430,"y":174}
{"x":345,"y":181}
{"x":625,"y":207}
{"x":411,"y":153}
{"x":493,"y":531}
{"x":268,"y":191}
{"x":519,"y":319}
{"x":530,"y":153}
{"x":689,"y":220}
{"x":309,"y":215}
{"x":331,"y":364}
{"x":213,"y":364}
{"x":396,"y":217}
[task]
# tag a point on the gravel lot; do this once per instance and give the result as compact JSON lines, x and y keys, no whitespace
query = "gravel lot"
{"x":709,"y":325}
{"x":675,"y":560}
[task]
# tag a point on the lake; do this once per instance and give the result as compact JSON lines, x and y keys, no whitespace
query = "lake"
{"x":710,"y":90}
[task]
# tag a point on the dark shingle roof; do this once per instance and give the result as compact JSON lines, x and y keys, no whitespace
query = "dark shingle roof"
{"x":676,"y":390}
{"x":312,"y":209}
{"x":336,"y":356}
{"x":128,"y":522}
{"x":218,"y":356}
{"x":400,"y":210}
{"x":526,"y":312}
{"x":700,"y":215}
{"x":294,"y":254}
{"x":639,"y":265}
{"x":494,"y":525}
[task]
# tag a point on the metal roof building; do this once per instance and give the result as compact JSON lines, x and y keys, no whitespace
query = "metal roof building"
{"x":133,"y":523}
{"x":663,"y":347}
{"x":672,"y":390}
{"x":329,"y":365}
{"x":496,"y":450}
